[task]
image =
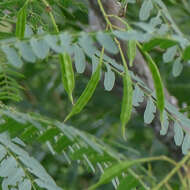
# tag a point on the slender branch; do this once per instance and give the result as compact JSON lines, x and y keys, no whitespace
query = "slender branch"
{"x":167,"y":178}
{"x":51,"y":15}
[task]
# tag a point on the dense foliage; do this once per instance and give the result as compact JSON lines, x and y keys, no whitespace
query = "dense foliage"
{"x":74,"y":111}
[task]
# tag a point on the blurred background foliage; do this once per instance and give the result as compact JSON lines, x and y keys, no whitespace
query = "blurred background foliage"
{"x":43,"y":92}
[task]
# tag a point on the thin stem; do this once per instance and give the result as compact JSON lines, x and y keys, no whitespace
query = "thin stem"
{"x":111,"y":27}
{"x":104,"y":14}
{"x":167,"y":178}
{"x":51,"y":16}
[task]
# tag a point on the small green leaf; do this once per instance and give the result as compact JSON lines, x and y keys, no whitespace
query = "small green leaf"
{"x":145,"y":10}
{"x":66,"y":40}
{"x":109,"y":79}
{"x":39,"y":47}
{"x":87,"y":45}
{"x":150,"y":111}
{"x":163,"y":43}
{"x":155,"y":21}
{"x":26,"y":51}
{"x":186,"y":53}
{"x":48,"y":134}
{"x":25,"y":185}
{"x":126,"y":108}
{"x":165,"y":124}
{"x":178,"y":134}
{"x":107,"y":42}
{"x":164,"y":28}
{"x":7,"y":166}
{"x":177,"y":67}
{"x":169,"y":55}
{"x":52,"y":41}
{"x":131,"y":51}
{"x":12,"y":56}
{"x":114,"y":171}
{"x":186,"y":144}
{"x":21,"y":23}
{"x":80,"y":62}
{"x":132,"y":35}
{"x":95,"y":63}
{"x":138,"y":96}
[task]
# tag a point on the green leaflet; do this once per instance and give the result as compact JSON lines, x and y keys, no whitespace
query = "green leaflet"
{"x":165,"y":124}
{"x":52,"y":41}
{"x":129,"y":182}
{"x":39,"y":47}
{"x":177,"y":67}
{"x":138,"y":96}
{"x":127,"y":100}
{"x":25,"y":185}
{"x":68,"y":78}
{"x":163,"y":30}
{"x":161,"y":42}
{"x":145,"y":10}
{"x":112,"y":172}
{"x":109,"y":79}
{"x":12,"y":56}
{"x":131,"y":52}
{"x":169,"y":55}
{"x":86,"y":43}
{"x":157,"y":82}
{"x":116,"y":170}
{"x":150,"y":111}
{"x":88,"y":92}
{"x":80,"y":62}
{"x":186,"y":53}
{"x":21,"y":23}
{"x":155,"y":21}
{"x":132,"y":35}
{"x":26,"y":51}
{"x":186,"y":144}
{"x":107,"y":42}
{"x":178,"y":134}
